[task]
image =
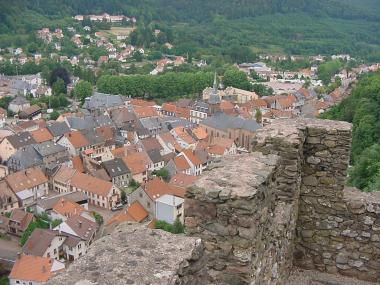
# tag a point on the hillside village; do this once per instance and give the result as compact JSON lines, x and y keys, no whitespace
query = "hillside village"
{"x":67,"y":182}
{"x":111,"y":158}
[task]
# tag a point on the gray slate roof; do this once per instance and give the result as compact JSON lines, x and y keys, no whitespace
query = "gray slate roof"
{"x":58,"y":129}
{"x":173,"y":122}
{"x":103,"y":101}
{"x":48,"y":203}
{"x":92,"y":136}
{"x":115,"y":167}
{"x":19,"y":100}
{"x":48,"y":148}
{"x":222,"y":121}
{"x":25,"y":158}
{"x":21,"y":139}
{"x":154,"y":123}
{"x":81,"y":123}
{"x":155,"y":156}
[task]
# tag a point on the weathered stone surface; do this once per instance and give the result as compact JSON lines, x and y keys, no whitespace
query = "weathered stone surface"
{"x":132,"y":254}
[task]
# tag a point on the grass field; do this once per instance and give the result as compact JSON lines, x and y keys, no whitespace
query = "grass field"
{"x":116,"y":31}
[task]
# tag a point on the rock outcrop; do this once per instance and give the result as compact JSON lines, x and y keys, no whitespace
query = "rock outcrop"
{"x":134,"y":254}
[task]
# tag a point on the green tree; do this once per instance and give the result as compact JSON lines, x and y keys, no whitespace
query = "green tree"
{"x":365,"y":173}
{"x":262,"y":90}
{"x":236,"y":78}
{"x":56,"y":223}
{"x":178,"y":227}
{"x":259,"y":116}
{"x":82,"y":90}
{"x":163,"y":173}
{"x":59,"y":87}
{"x":327,"y":70}
{"x":54,"y":115}
{"x":98,"y":218}
{"x":123,"y":196}
{"x":137,"y":56}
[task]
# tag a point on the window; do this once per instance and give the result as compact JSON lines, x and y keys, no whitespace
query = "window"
{"x":79,"y":246}
{"x":17,"y":282}
{"x":148,"y":204}
{"x":55,"y":251}
{"x":140,"y":195}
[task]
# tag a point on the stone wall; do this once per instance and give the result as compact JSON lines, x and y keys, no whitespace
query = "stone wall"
{"x":337,"y":231}
{"x":234,"y":209}
{"x":297,"y":211}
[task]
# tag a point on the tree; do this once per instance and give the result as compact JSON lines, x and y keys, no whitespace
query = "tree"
{"x":262,"y":90}
{"x":54,"y":115}
{"x":98,"y":218}
{"x":123,"y":196}
{"x":178,"y":227}
{"x":327,"y":70}
{"x":365,"y":172}
{"x":56,"y":223}
{"x":137,"y":56}
{"x":259,"y":116}
{"x":163,"y":173}
{"x":83,"y":90}
{"x":236,"y":78}
{"x":254,"y":75}
{"x":59,"y":87}
{"x":59,"y":73}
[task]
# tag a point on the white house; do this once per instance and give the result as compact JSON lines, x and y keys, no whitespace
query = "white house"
{"x":169,"y":208}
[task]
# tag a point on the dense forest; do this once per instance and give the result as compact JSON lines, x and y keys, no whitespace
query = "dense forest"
{"x":362,"y":109}
{"x":213,"y":26}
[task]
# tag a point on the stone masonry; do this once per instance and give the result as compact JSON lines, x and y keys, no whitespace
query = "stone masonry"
{"x":260,"y":213}
{"x":251,"y":218}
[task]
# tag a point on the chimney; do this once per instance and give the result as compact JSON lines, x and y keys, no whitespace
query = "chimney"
{"x":18,"y":255}
{"x":62,"y":202}
{"x":43,"y":269}
{"x":80,"y":224}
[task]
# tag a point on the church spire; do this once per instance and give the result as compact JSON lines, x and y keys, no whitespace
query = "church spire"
{"x":215,"y":86}
{"x":214,"y":97}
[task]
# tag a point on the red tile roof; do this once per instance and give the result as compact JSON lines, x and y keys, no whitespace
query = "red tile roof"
{"x":145,"y":112}
{"x":32,"y":268}
{"x":41,"y":135}
{"x":156,"y":188}
{"x":182,"y":180}
{"x":77,"y":139}
{"x":181,"y":163}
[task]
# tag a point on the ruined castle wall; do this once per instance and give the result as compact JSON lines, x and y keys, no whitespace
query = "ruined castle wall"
{"x":337,"y":231}
{"x":248,"y":236}
{"x":296,"y":213}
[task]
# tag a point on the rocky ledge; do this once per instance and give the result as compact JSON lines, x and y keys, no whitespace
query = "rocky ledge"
{"x":133,"y":254}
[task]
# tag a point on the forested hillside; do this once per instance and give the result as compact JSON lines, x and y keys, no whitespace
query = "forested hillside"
{"x":276,"y":26}
{"x":362,"y":109}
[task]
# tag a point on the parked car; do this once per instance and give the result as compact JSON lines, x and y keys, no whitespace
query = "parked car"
{"x":117,"y":207}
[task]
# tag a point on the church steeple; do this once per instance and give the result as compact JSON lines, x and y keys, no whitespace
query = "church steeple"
{"x":214,"y":96}
{"x":215,"y":86}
